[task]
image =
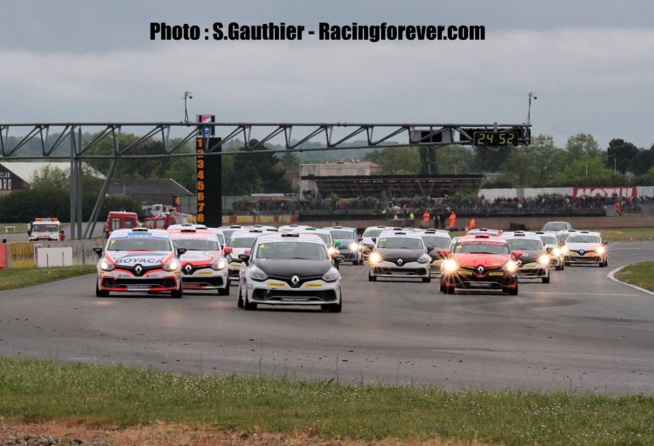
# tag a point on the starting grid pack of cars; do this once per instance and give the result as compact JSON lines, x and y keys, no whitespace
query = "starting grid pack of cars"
{"x":300,"y":265}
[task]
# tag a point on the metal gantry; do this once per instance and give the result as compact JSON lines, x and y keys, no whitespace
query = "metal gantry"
{"x":83,"y":138}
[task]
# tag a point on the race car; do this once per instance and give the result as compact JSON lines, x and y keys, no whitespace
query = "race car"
{"x":289,"y":269}
{"x":399,"y":255}
{"x":139,"y":260}
{"x":203,"y":265}
{"x":585,"y":248}
{"x":436,"y":240}
{"x":347,"y":242}
{"x":480,"y":262}
{"x":533,"y":262}
{"x":553,"y":248}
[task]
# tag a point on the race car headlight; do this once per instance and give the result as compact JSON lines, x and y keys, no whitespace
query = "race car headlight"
{"x":425,"y":258}
{"x":600,"y":250}
{"x":331,"y":276}
{"x":219,"y":265}
{"x":450,"y":266}
{"x":544,"y":259}
{"x":354,"y":246}
{"x":556,"y":252}
{"x":375,"y":258}
{"x":511,"y":266}
{"x":106,"y":265}
{"x":332,"y":251}
{"x":173,"y":265}
{"x":257,"y":274}
{"x":564,"y":250}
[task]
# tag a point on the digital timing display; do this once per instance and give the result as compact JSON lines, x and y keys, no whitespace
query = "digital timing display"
{"x":491,"y":138}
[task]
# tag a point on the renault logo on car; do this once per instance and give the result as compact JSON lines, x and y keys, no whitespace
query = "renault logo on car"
{"x":480,"y":269}
{"x":400,"y":262}
{"x":138,"y":270}
{"x":295,"y":280}
{"x":188,"y":269}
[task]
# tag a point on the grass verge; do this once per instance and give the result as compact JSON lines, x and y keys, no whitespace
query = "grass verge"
{"x":37,"y":391}
{"x":13,"y":278}
{"x":639,"y":274}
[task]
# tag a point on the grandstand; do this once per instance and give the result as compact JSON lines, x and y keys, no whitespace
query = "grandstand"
{"x":388,"y":186}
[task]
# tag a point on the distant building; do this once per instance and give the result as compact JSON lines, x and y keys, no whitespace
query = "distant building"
{"x":148,"y":191}
{"x":18,"y":175}
{"x":338,"y":169}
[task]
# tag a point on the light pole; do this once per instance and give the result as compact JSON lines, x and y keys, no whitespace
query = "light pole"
{"x":187,"y":95}
{"x":532,"y":94}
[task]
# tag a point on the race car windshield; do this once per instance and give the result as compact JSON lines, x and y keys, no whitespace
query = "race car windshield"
{"x":548,"y":239}
{"x":242,"y":242}
{"x":291,"y":250}
{"x":525,"y":245}
{"x":436,"y":242}
{"x":372,"y":232}
{"x":554,"y":226}
{"x":36,"y":227}
{"x":344,"y":235}
{"x":197,"y":245}
{"x":481,"y":248}
{"x":583,"y":239}
{"x":400,"y":243}
{"x":139,"y":244}
{"x":325,"y":237}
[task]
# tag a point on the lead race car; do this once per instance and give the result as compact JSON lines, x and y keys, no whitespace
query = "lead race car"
{"x":139,"y":260}
{"x":480,"y":262}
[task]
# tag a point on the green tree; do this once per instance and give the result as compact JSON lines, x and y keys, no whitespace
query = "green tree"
{"x":534,"y":165}
{"x":620,"y":154}
{"x":454,"y":160}
{"x":582,"y":146}
{"x":396,"y":160}
{"x":643,"y":162}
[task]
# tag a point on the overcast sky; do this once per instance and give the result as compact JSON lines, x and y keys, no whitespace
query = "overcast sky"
{"x":590,"y":62}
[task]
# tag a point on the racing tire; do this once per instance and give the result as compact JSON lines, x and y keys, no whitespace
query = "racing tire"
{"x":372,"y":278}
{"x":249,"y":306}
{"x":333,"y":308}
{"x":449,"y":290}
{"x":177,"y":294}
{"x":546,"y":279}
{"x":224,"y":291}
{"x":99,"y":292}
{"x":239,"y":301}
{"x":513,"y":291}
{"x":426,"y":279}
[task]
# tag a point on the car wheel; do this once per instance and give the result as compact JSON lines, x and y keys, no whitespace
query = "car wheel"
{"x":239,"y":301}
{"x":224,"y":291}
{"x":426,"y":279}
{"x":513,"y":291}
{"x":546,"y":279}
{"x":99,"y":292}
{"x":372,"y":278}
{"x":249,"y":306}
{"x":333,"y":308}
{"x":177,"y":294}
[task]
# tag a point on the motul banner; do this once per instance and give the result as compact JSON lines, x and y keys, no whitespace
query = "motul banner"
{"x":608,"y":191}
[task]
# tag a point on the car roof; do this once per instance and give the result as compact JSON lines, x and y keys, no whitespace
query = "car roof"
{"x":188,"y":231}
{"x":250,"y":233}
{"x":290,"y":237}
{"x":403,"y":234}
{"x":480,"y":238}
{"x":125,"y":231}
{"x":521,"y":234}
